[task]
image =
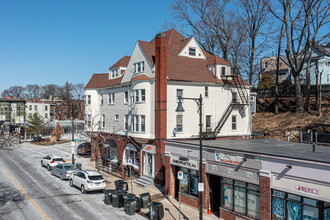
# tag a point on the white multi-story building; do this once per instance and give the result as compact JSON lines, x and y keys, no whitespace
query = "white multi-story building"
{"x":134,"y":105}
{"x":38,"y":106}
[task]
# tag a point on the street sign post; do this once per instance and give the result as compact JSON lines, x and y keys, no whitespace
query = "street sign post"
{"x":180,"y":177}
{"x":130,"y":172}
{"x":72,"y":149}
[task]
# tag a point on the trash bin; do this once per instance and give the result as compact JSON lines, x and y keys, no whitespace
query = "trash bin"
{"x":114,"y":199}
{"x":145,"y":200}
{"x":120,"y":198}
{"x":79,"y":166}
{"x":123,"y":186}
{"x":117,"y":183}
{"x":128,"y":196}
{"x":107,"y":196}
{"x":130,"y":206}
{"x":138,"y":204}
{"x":156,"y":211}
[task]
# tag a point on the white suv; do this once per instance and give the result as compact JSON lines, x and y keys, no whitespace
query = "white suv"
{"x":50,"y":161}
{"x":88,"y":181}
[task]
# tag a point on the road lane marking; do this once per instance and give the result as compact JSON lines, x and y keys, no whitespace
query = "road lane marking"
{"x":27,"y":196}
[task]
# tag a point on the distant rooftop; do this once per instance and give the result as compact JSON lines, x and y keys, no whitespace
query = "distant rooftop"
{"x":269,"y":147}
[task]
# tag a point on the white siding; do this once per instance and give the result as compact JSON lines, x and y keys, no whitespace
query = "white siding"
{"x":192,"y":43}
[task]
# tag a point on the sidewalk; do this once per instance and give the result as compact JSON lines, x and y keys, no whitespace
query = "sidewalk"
{"x":171,"y":206}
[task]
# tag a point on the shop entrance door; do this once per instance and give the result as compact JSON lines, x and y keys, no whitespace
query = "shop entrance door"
{"x":215,"y":192}
{"x":149,"y":164}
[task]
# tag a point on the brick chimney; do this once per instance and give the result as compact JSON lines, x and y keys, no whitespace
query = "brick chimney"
{"x":160,"y":104}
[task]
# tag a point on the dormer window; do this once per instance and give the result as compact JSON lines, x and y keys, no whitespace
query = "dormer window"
{"x":192,"y":51}
{"x":114,"y":73}
{"x":138,"y":67}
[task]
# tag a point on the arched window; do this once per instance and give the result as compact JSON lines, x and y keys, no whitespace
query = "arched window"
{"x":131,"y":153}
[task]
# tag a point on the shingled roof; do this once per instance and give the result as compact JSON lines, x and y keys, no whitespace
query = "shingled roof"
{"x":123,"y":62}
{"x":179,"y":68}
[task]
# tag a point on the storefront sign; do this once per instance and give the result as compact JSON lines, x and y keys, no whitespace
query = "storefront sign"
{"x":184,"y":162}
{"x":308,"y":190}
{"x":228,"y":158}
{"x":149,"y":148}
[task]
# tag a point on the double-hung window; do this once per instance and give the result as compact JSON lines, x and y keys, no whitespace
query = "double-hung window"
{"x":138,"y":122}
{"x":208,"y":121}
{"x":143,"y":95}
{"x":179,"y":92}
{"x":131,"y":153}
{"x":138,"y":95}
{"x":126,"y":122}
{"x":89,"y":99}
{"x":179,"y":126}
{"x":111,"y":98}
{"x":126,"y":97}
{"x":192,"y":51}
{"x":116,"y":117}
{"x":46,"y":108}
{"x":206,"y":92}
{"x":139,"y":67}
{"x":30,"y":107}
{"x":101,"y":99}
{"x":234,"y":122}
{"x":223,"y":71}
{"x":35,"y":108}
{"x":103,"y":121}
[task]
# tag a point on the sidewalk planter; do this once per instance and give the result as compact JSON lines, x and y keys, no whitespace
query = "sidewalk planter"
{"x":107,"y":196}
{"x":145,"y":200}
{"x":156,"y":211}
{"x":130,"y":206}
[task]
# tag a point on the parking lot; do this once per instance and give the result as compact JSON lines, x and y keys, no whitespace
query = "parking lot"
{"x":29,"y":191}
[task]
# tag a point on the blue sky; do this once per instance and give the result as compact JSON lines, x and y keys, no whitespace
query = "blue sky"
{"x":51,"y":42}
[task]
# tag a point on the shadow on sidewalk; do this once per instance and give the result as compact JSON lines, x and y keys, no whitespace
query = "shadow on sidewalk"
{"x":167,"y":209}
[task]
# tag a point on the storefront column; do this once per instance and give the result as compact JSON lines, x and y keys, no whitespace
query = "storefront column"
{"x":265,"y":195}
{"x":206,"y":193}
{"x":169,"y":178}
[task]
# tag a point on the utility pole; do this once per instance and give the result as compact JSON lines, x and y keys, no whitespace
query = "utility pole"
{"x":19,"y":124}
{"x":72,"y":151}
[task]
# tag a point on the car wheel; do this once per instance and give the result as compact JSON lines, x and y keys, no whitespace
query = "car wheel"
{"x":48,"y":167}
{"x":71,"y":183}
{"x":61,"y":176}
{"x":82,"y":189}
{"x":42,"y":165}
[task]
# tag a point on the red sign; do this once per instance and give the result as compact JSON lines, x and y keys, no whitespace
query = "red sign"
{"x":308,"y":190}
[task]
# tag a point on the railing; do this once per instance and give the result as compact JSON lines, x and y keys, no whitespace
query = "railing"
{"x":291,"y":91}
{"x":311,"y":137}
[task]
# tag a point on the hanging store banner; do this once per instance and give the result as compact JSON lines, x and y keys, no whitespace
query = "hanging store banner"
{"x":184,"y":162}
{"x":229,"y":158}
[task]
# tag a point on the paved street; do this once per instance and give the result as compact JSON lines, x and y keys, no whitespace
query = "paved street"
{"x":29,"y":191}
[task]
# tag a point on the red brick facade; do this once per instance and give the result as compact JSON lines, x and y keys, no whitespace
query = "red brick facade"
{"x":228,"y":215}
{"x":265,"y":198}
{"x":160,"y":106}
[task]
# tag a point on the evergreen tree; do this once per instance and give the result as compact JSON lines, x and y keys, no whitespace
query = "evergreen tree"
{"x":35,"y":124}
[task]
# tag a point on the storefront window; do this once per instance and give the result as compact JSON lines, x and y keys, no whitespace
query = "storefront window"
{"x":326,"y":212}
{"x":294,"y":207}
{"x":241,"y":197}
{"x":131,"y":153}
{"x":189,"y":183}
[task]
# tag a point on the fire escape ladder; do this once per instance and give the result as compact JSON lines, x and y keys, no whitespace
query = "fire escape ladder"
{"x":240,"y":91}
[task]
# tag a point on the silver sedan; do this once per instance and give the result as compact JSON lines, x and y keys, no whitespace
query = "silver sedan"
{"x":64,"y":170}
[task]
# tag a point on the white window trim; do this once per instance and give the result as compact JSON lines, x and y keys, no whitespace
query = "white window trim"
{"x":142,"y":67}
{"x":111,"y":98}
{"x":126,"y":101}
{"x":194,"y":49}
{"x":124,"y":156}
{"x":126,"y":120}
{"x":176,"y":125}
{"x":116,"y":119}
{"x":138,"y":129}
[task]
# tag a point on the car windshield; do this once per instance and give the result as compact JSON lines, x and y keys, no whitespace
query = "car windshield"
{"x":58,"y":159}
{"x":72,"y":167}
{"x":95,"y":177}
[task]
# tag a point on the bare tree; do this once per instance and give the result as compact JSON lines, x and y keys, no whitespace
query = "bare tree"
{"x":7,"y":139}
{"x":78,"y":91}
{"x":50,"y":91}
{"x":302,"y":21}
{"x":255,"y":15}
{"x":277,"y":69}
{"x":33,"y":91}
{"x":17,"y":91}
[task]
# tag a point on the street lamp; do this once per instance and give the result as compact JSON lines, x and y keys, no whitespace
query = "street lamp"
{"x":180,"y":110}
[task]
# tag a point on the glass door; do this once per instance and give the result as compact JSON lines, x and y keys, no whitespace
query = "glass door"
{"x":149,"y":162}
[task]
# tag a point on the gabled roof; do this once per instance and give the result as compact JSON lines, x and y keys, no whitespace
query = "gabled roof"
{"x":179,"y":68}
{"x":123,"y":62}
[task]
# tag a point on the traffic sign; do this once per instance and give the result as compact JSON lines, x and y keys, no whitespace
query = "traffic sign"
{"x":180,"y":175}
{"x":129,"y":161}
{"x":200,"y":187}
{"x":77,"y":140}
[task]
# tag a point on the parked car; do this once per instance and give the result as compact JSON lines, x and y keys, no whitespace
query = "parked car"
{"x":51,"y":161}
{"x":84,"y":148}
{"x":64,"y":170}
{"x":88,"y":181}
